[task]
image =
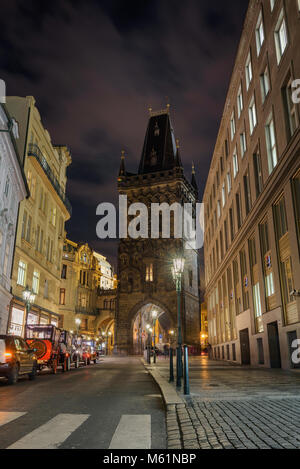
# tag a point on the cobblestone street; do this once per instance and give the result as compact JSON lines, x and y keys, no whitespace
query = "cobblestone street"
{"x":231,"y":407}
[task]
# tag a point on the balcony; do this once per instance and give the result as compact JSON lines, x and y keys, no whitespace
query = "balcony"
{"x":33,"y":150}
{"x":86,"y":311}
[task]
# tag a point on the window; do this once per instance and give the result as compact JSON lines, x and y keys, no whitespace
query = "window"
{"x":24,"y":223}
{"x":191,"y":278}
{"x":235,"y":164}
{"x":62,"y":297}
{"x":231,"y":219}
{"x":149,"y":273}
{"x":257,"y":173}
{"x":37,"y":238}
{"x":252,"y":115}
{"x":232,"y":126}
{"x":223,"y":195}
{"x":21,"y":279}
{"x":280,"y":218}
{"x":229,"y":182}
{"x":247,"y":190}
{"x":238,"y":209}
{"x":64,"y":272}
{"x":248,"y":71}
{"x":265,"y":84}
{"x":259,"y":34}
{"x":240,"y":102}
{"x":36,"y":282}
{"x":272,"y":3}
{"x":290,"y":110}
{"x":28,"y":231}
{"x":245,"y":280}
{"x":41,"y":241}
{"x":48,"y":249}
{"x":267,"y":264}
{"x":271,"y":144}
{"x":243,"y":143}
{"x":281,"y":38}
{"x":257,"y":307}
{"x":53,"y":218}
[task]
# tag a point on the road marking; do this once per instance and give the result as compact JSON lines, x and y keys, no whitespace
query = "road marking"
{"x":133,"y":432}
{"x":6,"y":417}
{"x":52,"y":434}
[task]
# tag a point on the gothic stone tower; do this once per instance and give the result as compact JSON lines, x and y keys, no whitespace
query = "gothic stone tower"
{"x":144,"y":265}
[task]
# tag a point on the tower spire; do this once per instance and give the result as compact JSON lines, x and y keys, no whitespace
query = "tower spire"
{"x":122,"y":171}
{"x":193,"y":180}
{"x":178,"y":162}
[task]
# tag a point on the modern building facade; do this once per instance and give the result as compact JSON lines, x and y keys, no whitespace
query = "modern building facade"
{"x":85,"y":305}
{"x":144,"y":264}
{"x":13,"y":189}
{"x":41,"y":221}
{"x":252,"y":196}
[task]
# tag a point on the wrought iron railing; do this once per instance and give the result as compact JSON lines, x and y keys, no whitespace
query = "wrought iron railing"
{"x":33,"y":150}
{"x":86,"y":311}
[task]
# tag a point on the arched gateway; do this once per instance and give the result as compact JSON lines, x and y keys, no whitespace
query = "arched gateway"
{"x":144,"y":265}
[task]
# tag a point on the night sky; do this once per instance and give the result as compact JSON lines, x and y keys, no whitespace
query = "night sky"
{"x":94,"y":68}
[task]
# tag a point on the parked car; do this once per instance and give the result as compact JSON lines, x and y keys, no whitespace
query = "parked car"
{"x":45,"y":340}
{"x":16,"y":359}
{"x":89,"y":352}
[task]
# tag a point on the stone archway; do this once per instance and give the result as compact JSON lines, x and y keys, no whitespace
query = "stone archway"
{"x":106,"y":333}
{"x":141,"y":316}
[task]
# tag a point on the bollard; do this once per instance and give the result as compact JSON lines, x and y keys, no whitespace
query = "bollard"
{"x":171,"y":380}
{"x":179,"y":367}
{"x":186,"y":371}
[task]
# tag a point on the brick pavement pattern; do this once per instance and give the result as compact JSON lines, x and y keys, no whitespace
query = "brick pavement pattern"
{"x":235,"y":408}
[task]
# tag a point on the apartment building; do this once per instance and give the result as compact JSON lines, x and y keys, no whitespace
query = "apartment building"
{"x":252,"y":196}
{"x":41,"y":221}
{"x":81,"y":287}
{"x":13,"y":189}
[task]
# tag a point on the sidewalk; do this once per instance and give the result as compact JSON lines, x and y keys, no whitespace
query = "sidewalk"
{"x":231,"y":406}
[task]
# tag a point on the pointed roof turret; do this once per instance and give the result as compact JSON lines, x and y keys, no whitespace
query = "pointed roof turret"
{"x":159,"y":150}
{"x":193,"y":180}
{"x":178,"y":162}
{"x":122,"y":171}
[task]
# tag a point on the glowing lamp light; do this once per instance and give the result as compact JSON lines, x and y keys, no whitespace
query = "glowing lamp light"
{"x":178,"y":265}
{"x":78,"y":321}
{"x":154,"y":314}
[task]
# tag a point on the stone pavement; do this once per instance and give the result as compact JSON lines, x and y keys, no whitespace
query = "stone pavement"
{"x":233,"y":407}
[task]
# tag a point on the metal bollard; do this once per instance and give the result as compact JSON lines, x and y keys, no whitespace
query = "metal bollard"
{"x":171,"y":380}
{"x":186,"y":371}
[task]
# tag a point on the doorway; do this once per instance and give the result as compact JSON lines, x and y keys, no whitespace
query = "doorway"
{"x":274,"y":347}
{"x":245,"y":347}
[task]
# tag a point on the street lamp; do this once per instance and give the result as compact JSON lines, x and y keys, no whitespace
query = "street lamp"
{"x":177,"y":272}
{"x":29,"y":298}
{"x":78,"y":322}
{"x":154,"y":317}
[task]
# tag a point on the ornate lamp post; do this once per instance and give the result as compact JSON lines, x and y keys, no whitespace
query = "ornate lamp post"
{"x":154,"y":316}
{"x":148,"y":328}
{"x":29,"y":298}
{"x":177,"y":271}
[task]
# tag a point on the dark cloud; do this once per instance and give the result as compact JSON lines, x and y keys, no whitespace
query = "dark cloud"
{"x":94,"y":68}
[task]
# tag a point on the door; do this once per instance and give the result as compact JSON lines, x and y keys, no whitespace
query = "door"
{"x":292,"y":336}
{"x":274,"y":347}
{"x":245,"y":347}
{"x":23,"y":355}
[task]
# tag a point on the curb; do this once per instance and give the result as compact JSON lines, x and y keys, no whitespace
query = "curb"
{"x":172,"y":402}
